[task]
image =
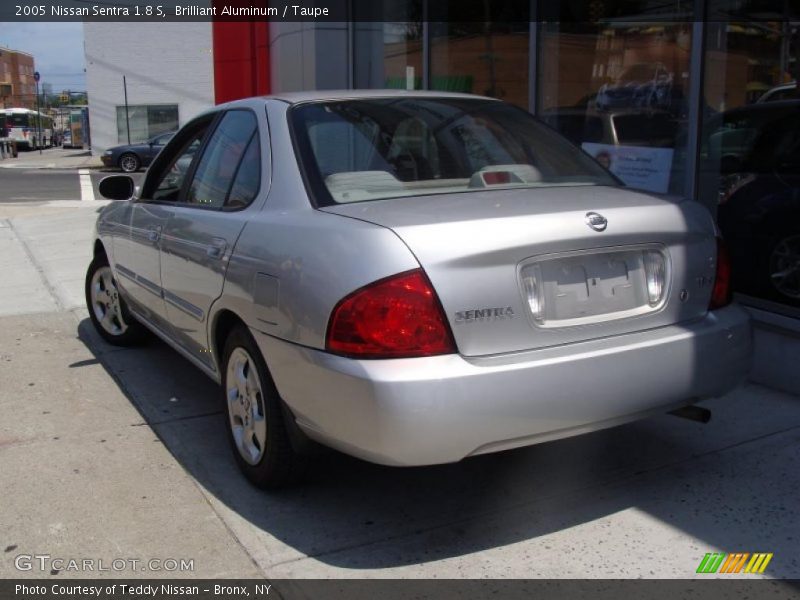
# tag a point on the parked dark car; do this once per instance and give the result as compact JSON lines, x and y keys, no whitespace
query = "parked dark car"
{"x":756,"y":151}
{"x":132,"y":157}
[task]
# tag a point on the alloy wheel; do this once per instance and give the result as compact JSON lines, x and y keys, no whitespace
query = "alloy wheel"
{"x":106,"y":303}
{"x":246,"y":406}
{"x":129,"y":163}
{"x":784,"y":266}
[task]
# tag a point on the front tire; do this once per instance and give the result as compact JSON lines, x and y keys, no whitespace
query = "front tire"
{"x":107,"y":309}
{"x":254,"y":416}
{"x":129,"y":162}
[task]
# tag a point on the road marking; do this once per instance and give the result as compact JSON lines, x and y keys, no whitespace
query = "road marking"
{"x":87,"y":189}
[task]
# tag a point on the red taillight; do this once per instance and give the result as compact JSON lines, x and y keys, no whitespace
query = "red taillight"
{"x":722,"y":294}
{"x":397,"y":317}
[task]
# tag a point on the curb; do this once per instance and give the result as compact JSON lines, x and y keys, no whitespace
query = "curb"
{"x":52,"y":167}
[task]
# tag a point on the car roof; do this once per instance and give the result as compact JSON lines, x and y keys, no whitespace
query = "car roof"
{"x":323,"y":95}
{"x":763,"y":106}
{"x":578,"y":111}
{"x":783,"y":86}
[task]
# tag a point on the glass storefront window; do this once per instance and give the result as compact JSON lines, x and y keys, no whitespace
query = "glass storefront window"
{"x":487,"y":53}
{"x":388,"y":44}
{"x":616,"y":82}
{"x":145,"y":121}
{"x":749,"y":162}
{"x":614,"y":77}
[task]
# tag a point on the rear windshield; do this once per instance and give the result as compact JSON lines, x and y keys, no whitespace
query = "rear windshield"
{"x":358,"y":150}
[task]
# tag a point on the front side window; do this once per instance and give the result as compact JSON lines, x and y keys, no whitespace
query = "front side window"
{"x":169,"y":186}
{"x":358,"y":150}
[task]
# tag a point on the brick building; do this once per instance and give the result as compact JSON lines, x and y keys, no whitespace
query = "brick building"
{"x":17,"y":87}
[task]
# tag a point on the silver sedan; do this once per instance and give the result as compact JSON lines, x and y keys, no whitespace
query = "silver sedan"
{"x":411,"y":278}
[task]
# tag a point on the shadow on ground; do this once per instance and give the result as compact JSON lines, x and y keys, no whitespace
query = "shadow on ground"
{"x":709,"y":482}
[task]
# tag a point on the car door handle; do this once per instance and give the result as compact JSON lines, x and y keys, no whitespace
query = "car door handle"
{"x":216,"y":248}
{"x":154,"y":233}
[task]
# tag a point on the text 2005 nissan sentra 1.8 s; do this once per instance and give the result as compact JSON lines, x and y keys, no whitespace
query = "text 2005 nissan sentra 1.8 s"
{"x":411,"y":278}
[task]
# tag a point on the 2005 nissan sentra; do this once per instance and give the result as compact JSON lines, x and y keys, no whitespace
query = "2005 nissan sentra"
{"x":411,"y":278}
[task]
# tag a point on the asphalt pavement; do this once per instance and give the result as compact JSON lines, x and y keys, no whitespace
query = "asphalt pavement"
{"x":121,"y":453}
{"x":42,"y":185}
{"x":53,"y":176}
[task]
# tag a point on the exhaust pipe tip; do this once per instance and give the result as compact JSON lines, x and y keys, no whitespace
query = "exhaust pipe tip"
{"x":693,"y":413}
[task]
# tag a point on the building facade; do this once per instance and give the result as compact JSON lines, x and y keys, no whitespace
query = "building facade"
{"x":17,"y":86}
{"x":693,"y":99}
{"x":166,"y":69}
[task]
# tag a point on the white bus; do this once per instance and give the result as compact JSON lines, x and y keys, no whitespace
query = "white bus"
{"x":23,"y":126}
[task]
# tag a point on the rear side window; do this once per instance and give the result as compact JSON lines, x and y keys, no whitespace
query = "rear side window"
{"x":248,"y":178}
{"x":219,"y":164}
{"x":577,"y":128}
{"x":777,"y":148}
{"x":656,"y":129}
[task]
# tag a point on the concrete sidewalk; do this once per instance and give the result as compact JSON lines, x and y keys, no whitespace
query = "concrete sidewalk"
{"x":53,"y":158}
{"x":121,"y":453}
{"x":83,"y":476}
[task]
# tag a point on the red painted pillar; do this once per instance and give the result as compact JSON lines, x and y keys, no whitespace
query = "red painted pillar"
{"x":241,"y":59}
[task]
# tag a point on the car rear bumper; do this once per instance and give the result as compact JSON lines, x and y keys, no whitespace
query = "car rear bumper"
{"x":445,"y":408}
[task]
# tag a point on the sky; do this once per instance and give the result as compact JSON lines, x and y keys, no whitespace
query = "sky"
{"x":57,"y":50}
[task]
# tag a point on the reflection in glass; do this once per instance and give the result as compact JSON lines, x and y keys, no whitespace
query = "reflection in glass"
{"x":388,"y":44}
{"x":145,"y":121}
{"x":749,"y":165}
{"x":485,"y":54}
{"x":616,"y":83}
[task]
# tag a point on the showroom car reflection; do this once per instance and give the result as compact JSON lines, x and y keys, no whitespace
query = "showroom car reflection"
{"x":756,"y":151}
{"x":643,"y":85}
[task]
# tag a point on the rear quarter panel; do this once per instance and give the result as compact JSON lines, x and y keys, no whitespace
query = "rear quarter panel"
{"x":290,"y":269}
{"x":293,"y":263}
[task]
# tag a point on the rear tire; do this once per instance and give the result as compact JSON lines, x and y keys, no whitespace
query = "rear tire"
{"x":129,"y":162}
{"x":254,"y":418}
{"x":107,"y":309}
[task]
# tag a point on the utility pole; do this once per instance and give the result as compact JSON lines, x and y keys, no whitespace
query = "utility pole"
{"x":36,"y":78}
{"x":127,"y":119}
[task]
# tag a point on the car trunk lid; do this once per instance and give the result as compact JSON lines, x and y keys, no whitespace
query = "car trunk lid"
{"x":496,"y":257}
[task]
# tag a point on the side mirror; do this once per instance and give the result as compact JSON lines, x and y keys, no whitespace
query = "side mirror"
{"x":116,"y":187}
